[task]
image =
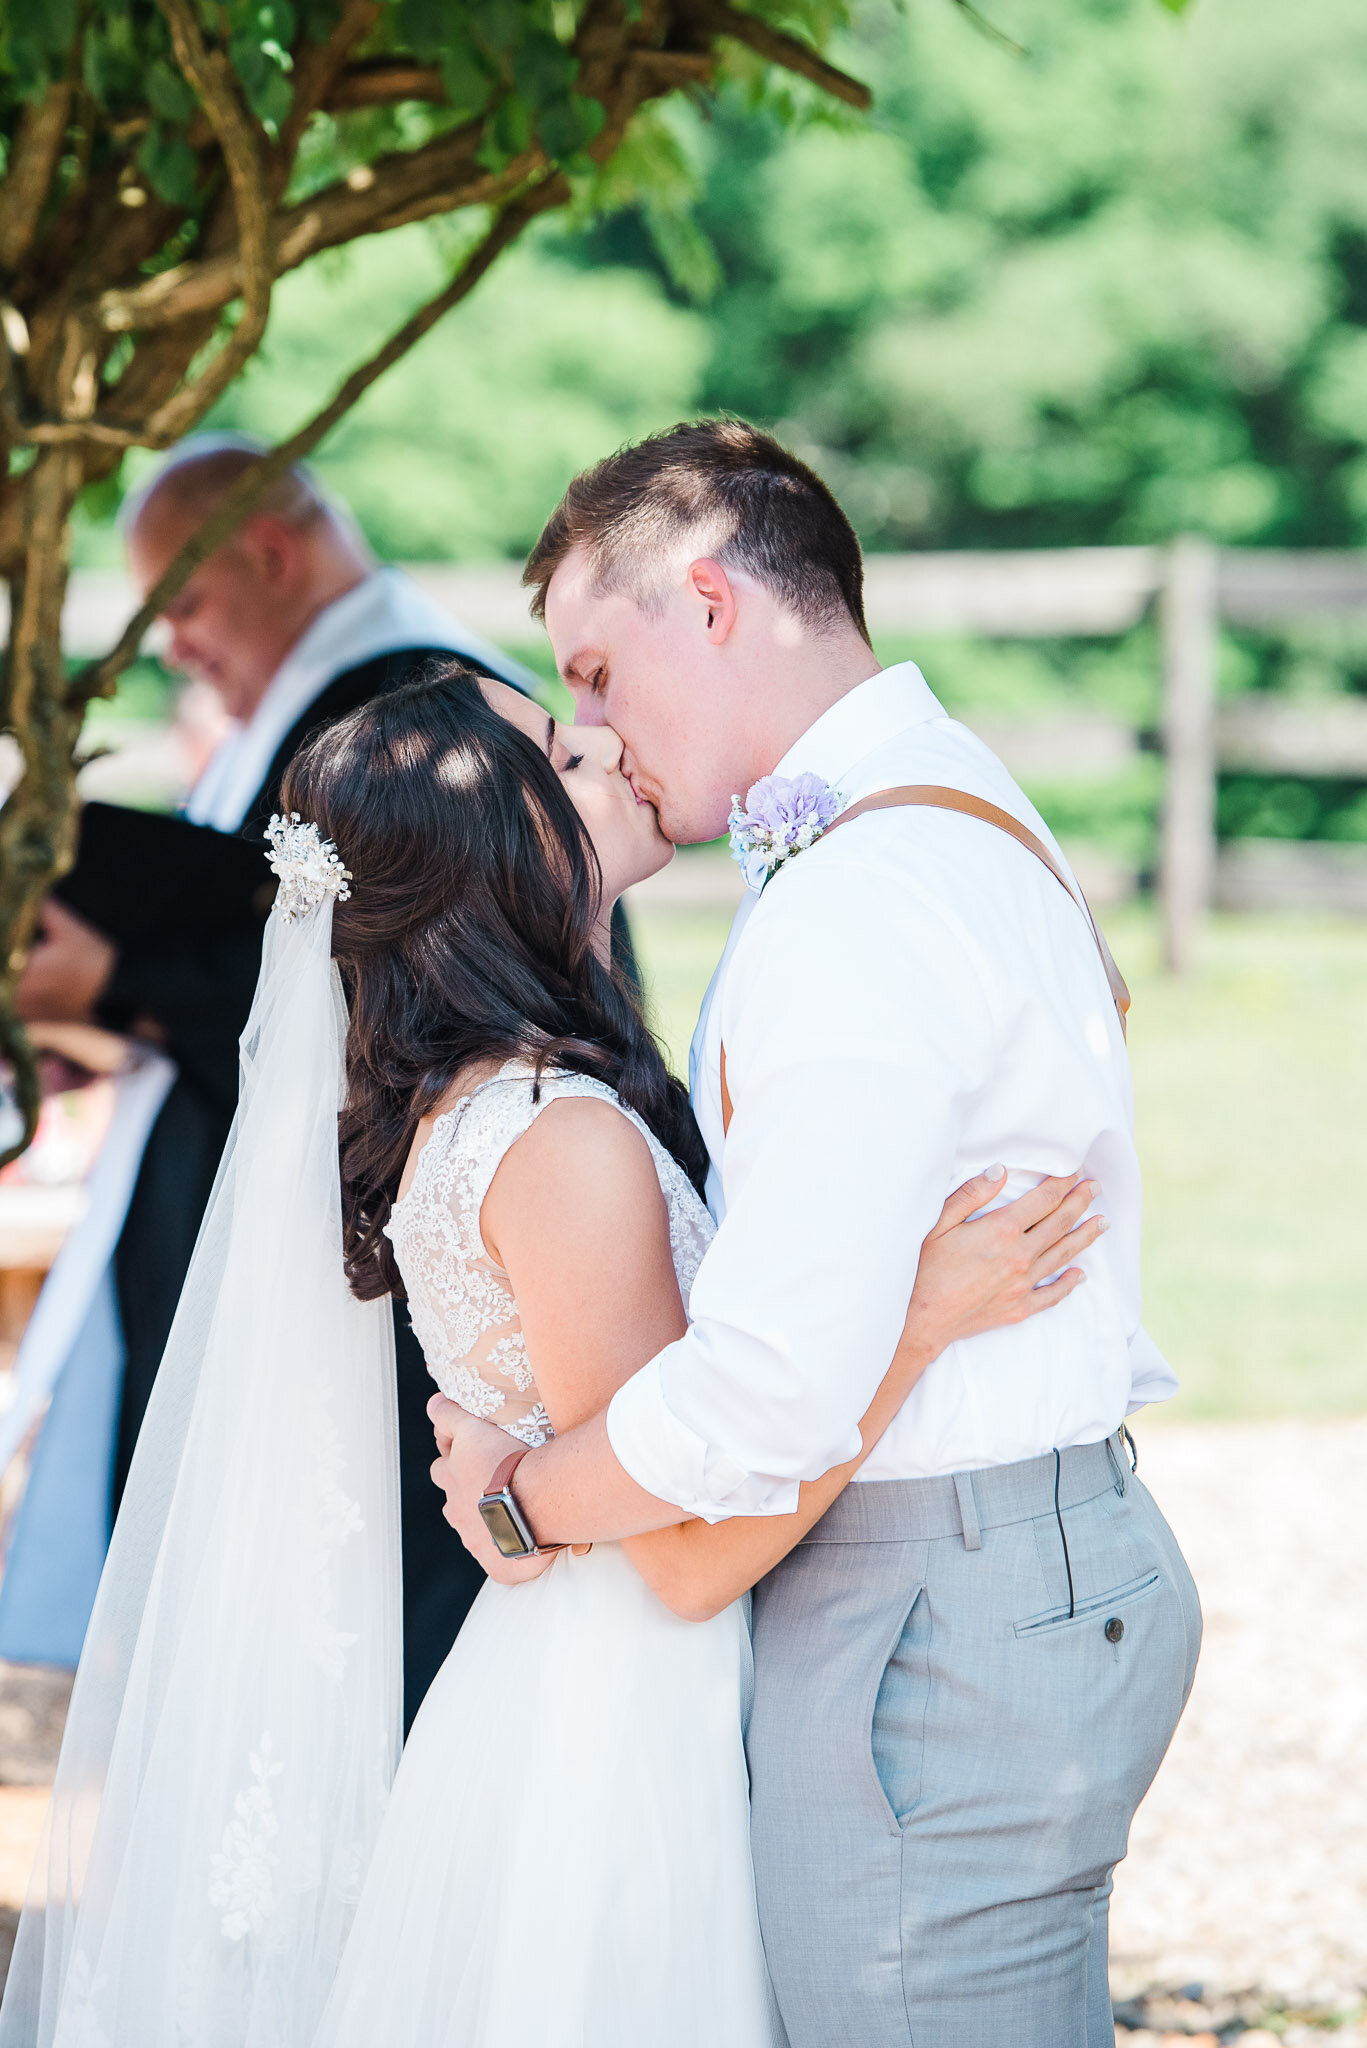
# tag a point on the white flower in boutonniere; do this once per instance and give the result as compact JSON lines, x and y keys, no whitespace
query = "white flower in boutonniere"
{"x":781,"y":816}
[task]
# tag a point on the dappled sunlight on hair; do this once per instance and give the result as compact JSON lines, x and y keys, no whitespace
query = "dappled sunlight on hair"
{"x":468,"y":938}
{"x":711,"y":487}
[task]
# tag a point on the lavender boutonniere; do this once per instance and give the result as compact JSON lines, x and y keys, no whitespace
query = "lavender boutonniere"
{"x":781,"y":816}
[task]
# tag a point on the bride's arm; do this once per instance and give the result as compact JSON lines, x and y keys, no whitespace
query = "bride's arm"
{"x":576,"y":1217}
{"x":973,"y":1276}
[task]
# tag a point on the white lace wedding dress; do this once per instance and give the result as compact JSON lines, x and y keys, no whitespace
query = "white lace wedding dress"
{"x":565,"y":1858}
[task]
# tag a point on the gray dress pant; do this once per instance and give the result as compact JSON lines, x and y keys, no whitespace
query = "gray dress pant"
{"x":961,"y":1696}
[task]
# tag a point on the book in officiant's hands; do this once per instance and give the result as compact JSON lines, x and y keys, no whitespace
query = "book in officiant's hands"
{"x":145,"y":876}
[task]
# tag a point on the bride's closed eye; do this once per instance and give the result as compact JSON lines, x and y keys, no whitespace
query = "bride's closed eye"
{"x":553,"y":740}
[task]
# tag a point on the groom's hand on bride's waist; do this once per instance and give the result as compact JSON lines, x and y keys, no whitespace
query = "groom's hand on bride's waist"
{"x":469,"y":1452}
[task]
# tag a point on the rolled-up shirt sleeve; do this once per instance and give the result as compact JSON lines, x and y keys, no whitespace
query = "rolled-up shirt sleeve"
{"x":859,"y":1022}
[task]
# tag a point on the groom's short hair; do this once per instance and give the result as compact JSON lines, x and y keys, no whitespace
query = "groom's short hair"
{"x":708,"y":487}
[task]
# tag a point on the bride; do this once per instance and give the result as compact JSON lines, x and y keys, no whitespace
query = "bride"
{"x":562,"y":1860}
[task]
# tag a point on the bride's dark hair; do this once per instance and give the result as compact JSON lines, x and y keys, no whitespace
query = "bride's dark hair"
{"x":468,"y":936}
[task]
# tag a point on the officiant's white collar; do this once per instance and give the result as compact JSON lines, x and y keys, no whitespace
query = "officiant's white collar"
{"x":872,"y":713}
{"x":385,"y":611}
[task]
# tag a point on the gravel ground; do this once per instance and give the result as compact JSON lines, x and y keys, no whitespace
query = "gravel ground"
{"x":1246,"y":1883}
{"x":1241,"y":1912}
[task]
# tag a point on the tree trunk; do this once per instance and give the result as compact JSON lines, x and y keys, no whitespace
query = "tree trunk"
{"x":38,"y":824}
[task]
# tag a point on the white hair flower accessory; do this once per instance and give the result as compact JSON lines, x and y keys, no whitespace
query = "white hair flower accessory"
{"x":309,"y":866}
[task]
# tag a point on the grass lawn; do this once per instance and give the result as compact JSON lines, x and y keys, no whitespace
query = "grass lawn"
{"x":1251,"y":1092}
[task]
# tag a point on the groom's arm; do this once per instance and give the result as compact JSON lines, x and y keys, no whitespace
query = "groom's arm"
{"x":854,"y":1042}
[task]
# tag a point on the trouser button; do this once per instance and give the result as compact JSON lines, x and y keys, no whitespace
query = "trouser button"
{"x":1115,"y":1629}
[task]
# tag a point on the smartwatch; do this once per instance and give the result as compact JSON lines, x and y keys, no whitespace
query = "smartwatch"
{"x":504,"y":1519}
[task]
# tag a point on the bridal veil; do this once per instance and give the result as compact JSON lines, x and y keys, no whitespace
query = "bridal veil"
{"x":235,"y":1723}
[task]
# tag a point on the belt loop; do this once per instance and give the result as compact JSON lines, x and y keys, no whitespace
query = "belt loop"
{"x":968,"y":1510}
{"x":1115,"y":1451}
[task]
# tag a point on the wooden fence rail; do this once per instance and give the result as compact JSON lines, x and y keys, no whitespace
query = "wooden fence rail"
{"x":1194,"y":586}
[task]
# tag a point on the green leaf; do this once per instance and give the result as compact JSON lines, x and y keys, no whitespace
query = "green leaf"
{"x":569,"y":125}
{"x":61,"y":25}
{"x":501,"y":25}
{"x":47,"y":24}
{"x":169,"y":95}
{"x":268,"y":91}
{"x":688,"y":254}
{"x":422,"y":25}
{"x":109,"y":75}
{"x":468,"y":83}
{"x":278,"y":22}
{"x":318,"y":18}
{"x":168,"y":164}
{"x":542,"y":70}
{"x":506,"y":133}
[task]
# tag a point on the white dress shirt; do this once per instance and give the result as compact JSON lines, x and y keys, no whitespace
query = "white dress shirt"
{"x":906,"y":1004}
{"x":386,"y":611}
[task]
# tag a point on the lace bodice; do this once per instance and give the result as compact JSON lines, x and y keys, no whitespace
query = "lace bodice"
{"x":462,"y":1307}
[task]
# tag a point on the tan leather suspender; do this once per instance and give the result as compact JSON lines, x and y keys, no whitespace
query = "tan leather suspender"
{"x":930,"y":796}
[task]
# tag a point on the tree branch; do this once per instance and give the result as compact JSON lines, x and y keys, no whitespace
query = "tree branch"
{"x":316,"y":70}
{"x":11,"y":406}
{"x":28,"y":174}
{"x":667,"y":70}
{"x":406,"y":185}
{"x":210,"y":77}
{"x":186,"y":404}
{"x":38,"y":823}
{"x":384,"y":82}
{"x":28,"y":1094}
{"x":98,"y":679}
{"x":443,"y":176}
{"x":788,"y":52}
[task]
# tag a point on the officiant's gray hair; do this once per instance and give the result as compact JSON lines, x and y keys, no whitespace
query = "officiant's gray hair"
{"x":708,"y":487}
{"x":200,"y":471}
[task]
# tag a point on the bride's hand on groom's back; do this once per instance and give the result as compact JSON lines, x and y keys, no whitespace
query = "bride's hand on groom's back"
{"x":982,"y":1271}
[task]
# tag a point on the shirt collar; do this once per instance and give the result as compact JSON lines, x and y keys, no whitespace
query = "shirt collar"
{"x":355,"y":627}
{"x":870,"y":714}
{"x":309,"y":662}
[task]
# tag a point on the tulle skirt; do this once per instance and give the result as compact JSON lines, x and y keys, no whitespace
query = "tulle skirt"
{"x":565,"y":1859}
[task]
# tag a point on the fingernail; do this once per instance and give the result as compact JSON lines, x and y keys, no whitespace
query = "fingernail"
{"x":994,"y":1173}
{"x":1102,"y":1226}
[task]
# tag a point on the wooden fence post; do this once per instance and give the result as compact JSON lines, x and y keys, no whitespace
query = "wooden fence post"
{"x":1190,"y":623}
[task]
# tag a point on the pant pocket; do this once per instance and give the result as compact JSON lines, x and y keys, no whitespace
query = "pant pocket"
{"x":898,"y":1716}
{"x":1086,"y":1610}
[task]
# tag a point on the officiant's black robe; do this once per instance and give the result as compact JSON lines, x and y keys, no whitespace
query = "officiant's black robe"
{"x":191,"y":965}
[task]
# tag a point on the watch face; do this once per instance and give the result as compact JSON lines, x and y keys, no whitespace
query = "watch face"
{"x":509,"y":1539}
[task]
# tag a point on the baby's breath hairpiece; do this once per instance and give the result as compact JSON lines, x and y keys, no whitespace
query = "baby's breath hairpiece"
{"x":309,"y":866}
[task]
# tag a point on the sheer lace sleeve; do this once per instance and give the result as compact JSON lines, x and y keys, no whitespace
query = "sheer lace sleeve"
{"x":462,"y":1307}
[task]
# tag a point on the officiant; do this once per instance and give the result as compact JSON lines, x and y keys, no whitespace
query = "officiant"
{"x":156,"y":935}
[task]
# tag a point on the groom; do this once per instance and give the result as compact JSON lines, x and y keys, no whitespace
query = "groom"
{"x":968,"y":1673}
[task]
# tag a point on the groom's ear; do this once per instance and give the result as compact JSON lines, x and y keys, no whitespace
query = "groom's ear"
{"x":711,"y":586}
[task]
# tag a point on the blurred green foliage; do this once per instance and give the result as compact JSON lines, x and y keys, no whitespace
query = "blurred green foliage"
{"x":505,"y":61}
{"x":464,"y":448}
{"x":1106,"y":286}
{"x":1109,"y":289}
